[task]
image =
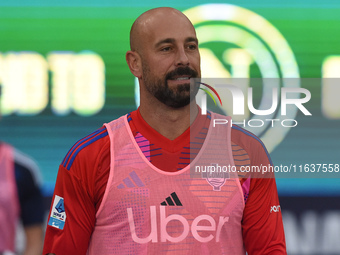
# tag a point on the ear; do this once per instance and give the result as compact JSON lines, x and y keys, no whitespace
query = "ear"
{"x":134,"y":62}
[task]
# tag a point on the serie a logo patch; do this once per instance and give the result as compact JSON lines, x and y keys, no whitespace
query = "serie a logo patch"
{"x":58,"y":214}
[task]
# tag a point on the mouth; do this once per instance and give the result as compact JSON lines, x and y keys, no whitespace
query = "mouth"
{"x":181,"y":78}
{"x":181,"y":75}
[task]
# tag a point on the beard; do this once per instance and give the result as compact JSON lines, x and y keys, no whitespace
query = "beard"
{"x":176,"y":97}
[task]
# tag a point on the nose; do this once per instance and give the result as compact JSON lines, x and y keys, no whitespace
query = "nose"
{"x":182,"y":58}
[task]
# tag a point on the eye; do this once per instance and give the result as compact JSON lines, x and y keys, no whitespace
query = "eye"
{"x":192,"y":46}
{"x":167,"y":48}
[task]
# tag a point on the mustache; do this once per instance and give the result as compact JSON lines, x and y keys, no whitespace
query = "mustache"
{"x":181,"y":71}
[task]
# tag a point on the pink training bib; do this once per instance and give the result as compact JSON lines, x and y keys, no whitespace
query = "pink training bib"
{"x":9,"y":204}
{"x":149,"y":211}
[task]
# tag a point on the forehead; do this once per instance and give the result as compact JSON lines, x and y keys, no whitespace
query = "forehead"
{"x":160,"y":28}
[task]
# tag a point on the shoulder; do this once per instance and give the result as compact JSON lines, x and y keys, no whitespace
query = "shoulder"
{"x":87,"y":149}
{"x":29,"y":181}
{"x":26,"y":166}
{"x":90,"y":147}
{"x":249,"y":142}
{"x":244,"y":137}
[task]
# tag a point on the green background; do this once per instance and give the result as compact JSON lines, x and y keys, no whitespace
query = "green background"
{"x":311,"y":28}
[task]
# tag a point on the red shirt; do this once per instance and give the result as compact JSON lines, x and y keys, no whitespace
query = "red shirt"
{"x":84,"y":172}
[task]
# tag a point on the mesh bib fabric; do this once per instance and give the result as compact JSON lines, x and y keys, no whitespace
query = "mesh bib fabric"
{"x":9,"y":204}
{"x":149,"y":211}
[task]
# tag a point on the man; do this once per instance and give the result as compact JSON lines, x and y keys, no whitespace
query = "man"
{"x":127,"y":189}
{"x":20,"y":198}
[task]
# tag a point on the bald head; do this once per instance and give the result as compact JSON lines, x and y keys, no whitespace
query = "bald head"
{"x":164,"y":56}
{"x":152,"y":19}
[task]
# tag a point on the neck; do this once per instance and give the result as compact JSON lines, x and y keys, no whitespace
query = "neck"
{"x":167,"y":121}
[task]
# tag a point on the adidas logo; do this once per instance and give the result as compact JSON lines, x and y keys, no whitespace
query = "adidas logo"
{"x":172,"y":202}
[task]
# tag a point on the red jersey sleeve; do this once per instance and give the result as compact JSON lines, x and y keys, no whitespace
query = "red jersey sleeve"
{"x":262,"y":225}
{"x":80,"y":187}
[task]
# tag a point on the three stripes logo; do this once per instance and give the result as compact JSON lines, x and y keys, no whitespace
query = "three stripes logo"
{"x":172,"y":200}
{"x":131,"y":181}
